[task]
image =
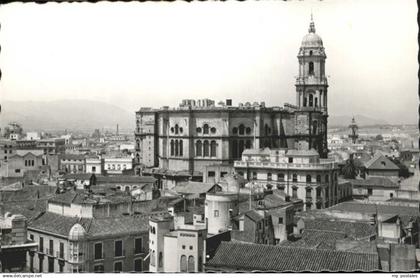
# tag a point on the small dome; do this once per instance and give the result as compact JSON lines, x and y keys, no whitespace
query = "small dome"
{"x":77,"y":232}
{"x":312,"y":40}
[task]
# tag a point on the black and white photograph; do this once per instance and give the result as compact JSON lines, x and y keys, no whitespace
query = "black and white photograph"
{"x":209,"y":137}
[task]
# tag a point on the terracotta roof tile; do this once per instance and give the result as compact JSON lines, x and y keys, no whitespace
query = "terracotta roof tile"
{"x":249,"y":257}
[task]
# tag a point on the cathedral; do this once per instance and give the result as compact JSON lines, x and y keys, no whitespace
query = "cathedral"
{"x":200,"y":133}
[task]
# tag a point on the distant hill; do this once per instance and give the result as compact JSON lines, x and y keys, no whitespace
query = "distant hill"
{"x":345,"y":120}
{"x":66,"y":114}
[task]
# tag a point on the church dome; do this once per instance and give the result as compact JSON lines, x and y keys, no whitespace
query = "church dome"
{"x":312,"y":39}
{"x":77,"y":232}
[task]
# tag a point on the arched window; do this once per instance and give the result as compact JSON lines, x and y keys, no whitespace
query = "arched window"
{"x":198,"y":148}
{"x":248,"y":144}
{"x":304,"y":102}
{"x":248,"y":130}
{"x":206,"y":129}
{"x":172,"y":147}
{"x":172,"y":130}
{"x":311,"y":68}
{"x":213,"y":130}
{"x":310,"y":53}
{"x":280,"y":176}
{"x":181,"y":147}
{"x":198,"y":129}
{"x":183,"y":263}
{"x":176,"y":129}
{"x":314,"y":127}
{"x":294,"y":178}
{"x":316,"y":102}
{"x":206,"y":148}
{"x":318,"y":178}
{"x":176,"y":148}
{"x":235,"y":130}
{"x":308,"y":178}
{"x":180,"y":130}
{"x":241,"y":129}
{"x":191,"y":263}
{"x":213,"y":148}
{"x":311,"y":100}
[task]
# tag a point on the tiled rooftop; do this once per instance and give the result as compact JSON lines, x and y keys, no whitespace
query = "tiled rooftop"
{"x":356,"y":230}
{"x":249,"y":257}
{"x":316,"y":240}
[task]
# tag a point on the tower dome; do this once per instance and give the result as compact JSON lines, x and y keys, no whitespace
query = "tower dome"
{"x":312,"y":39}
{"x":77,"y":232}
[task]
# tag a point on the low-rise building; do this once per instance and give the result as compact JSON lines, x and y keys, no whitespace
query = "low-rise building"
{"x":375,"y":188}
{"x":380,"y":165}
{"x":72,"y":163}
{"x":116,"y":165}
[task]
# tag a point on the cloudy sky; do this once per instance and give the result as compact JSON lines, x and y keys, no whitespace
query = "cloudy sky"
{"x":155,"y":54}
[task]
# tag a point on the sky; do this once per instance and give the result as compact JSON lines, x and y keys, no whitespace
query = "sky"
{"x":154,"y":54}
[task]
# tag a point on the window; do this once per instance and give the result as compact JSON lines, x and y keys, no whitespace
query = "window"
{"x":183,"y":247}
{"x":310,"y":53}
{"x":183,"y":263}
{"x":138,"y":245}
{"x":176,"y":148}
{"x":248,"y":144}
{"x":235,"y":130}
{"x":172,"y":147}
{"x":248,"y":130}
{"x":181,"y":143}
{"x":311,"y":68}
{"x":153,"y":258}
{"x":206,"y":129}
{"x":118,"y":248}
{"x":198,"y":129}
{"x":98,"y":251}
{"x":206,"y":148}
{"x":191,"y":263}
{"x":254,"y":175}
{"x":93,"y":169}
{"x":213,"y":130}
{"x":118,"y":267}
{"x":294,"y":178}
{"x":99,"y":268}
{"x":280,"y":220}
{"x":191,"y":248}
{"x":61,"y":250}
{"x":17,"y":170}
{"x":308,"y":178}
{"x":213,"y":149}
{"x":241,"y":129}
{"x":318,"y":178}
{"x":290,"y":159}
{"x":51,"y":247}
{"x":211,"y":174}
{"x":138,"y":265}
{"x":269,"y":176}
{"x":198,"y":148}
{"x":41,"y":244}
{"x":311,"y":100}
{"x":327,"y":177}
{"x":180,"y":130}
{"x":216,"y":213}
{"x":31,"y":237}
{"x":370,"y":192}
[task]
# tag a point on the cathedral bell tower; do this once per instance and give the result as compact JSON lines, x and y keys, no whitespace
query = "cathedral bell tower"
{"x":311,"y":94}
{"x":311,"y":84}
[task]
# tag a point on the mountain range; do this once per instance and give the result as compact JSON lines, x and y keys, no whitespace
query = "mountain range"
{"x":88,"y":115}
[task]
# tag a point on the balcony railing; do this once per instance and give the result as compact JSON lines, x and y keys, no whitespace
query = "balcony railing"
{"x":283,"y":166}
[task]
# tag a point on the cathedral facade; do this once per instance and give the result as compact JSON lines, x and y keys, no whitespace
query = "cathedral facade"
{"x":199,"y":133}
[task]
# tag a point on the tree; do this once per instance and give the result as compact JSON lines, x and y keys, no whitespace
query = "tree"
{"x":379,"y":137}
{"x":352,"y":168}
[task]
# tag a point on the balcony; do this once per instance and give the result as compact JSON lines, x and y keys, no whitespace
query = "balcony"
{"x":284,"y":166}
{"x":308,"y":199}
{"x":59,"y":255}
